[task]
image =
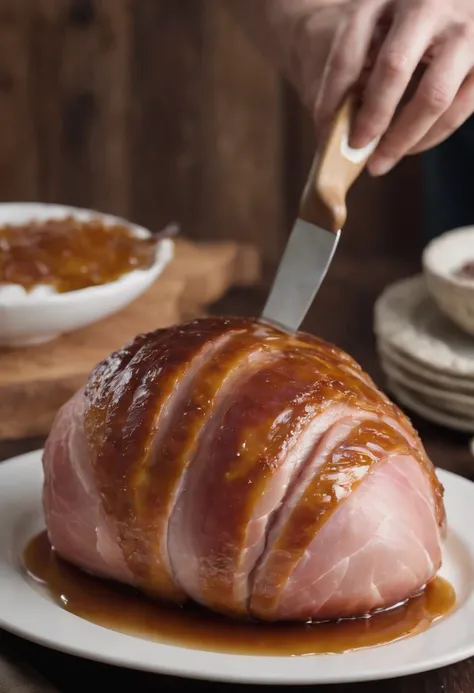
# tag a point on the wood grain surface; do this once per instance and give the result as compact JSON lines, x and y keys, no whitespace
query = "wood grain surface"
{"x":164,"y":111}
{"x":36,"y":381}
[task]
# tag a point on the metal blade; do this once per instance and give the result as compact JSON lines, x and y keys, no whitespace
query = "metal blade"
{"x":302,"y":269}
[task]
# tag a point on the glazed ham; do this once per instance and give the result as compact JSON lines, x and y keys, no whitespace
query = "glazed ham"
{"x":260,"y":474}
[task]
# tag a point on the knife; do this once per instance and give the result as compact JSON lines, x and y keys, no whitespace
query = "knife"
{"x":322,"y":214}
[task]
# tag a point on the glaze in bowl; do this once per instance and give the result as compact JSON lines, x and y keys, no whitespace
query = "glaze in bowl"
{"x":42,"y":314}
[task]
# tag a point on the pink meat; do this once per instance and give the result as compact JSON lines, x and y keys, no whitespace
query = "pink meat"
{"x":78,"y":527}
{"x":193,"y":530}
{"x":258,"y":473}
{"x":371,"y":462}
{"x":380,"y":546}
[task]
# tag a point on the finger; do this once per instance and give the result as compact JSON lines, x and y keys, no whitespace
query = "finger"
{"x":452,"y":120}
{"x":397,"y":60}
{"x":347,"y":57}
{"x":435,"y":94}
{"x":381,"y":31}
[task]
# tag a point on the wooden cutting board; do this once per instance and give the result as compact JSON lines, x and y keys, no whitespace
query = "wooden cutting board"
{"x":36,"y":381}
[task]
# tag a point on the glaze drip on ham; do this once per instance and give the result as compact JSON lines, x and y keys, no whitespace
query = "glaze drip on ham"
{"x":260,"y":474}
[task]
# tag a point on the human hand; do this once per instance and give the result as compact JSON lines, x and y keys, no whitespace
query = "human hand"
{"x":328,"y":47}
{"x":402,"y":35}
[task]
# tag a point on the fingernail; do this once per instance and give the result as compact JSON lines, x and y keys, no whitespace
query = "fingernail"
{"x":359,"y":139}
{"x":380,"y":166}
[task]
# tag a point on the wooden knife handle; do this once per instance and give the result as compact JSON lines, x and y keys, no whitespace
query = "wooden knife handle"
{"x":335,"y":168}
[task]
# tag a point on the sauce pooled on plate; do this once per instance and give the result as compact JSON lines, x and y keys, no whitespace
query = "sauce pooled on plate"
{"x":123,"y":609}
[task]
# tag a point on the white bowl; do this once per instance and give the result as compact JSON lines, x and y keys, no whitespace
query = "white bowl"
{"x":38,"y":316}
{"x":454,"y":295}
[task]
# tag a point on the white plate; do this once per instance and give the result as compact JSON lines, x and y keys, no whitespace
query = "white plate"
{"x":453,"y":383}
{"x":451,"y":403}
{"x":456,"y":402}
{"x":406,"y":317}
{"x":407,"y":399}
{"x":28,"y":613}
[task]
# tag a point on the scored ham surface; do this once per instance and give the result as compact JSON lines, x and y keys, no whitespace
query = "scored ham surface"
{"x":260,"y":474}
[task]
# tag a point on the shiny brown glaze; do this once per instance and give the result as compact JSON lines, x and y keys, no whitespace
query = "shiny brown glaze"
{"x":326,"y":355}
{"x":345,"y":467}
{"x":68,"y":254}
{"x":121,"y":609}
{"x":174,"y":450}
{"x":146,"y":404}
{"x":265,"y":420}
{"x":124,"y":400}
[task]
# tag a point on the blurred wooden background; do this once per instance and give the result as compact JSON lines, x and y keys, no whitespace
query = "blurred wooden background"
{"x":162,"y":110}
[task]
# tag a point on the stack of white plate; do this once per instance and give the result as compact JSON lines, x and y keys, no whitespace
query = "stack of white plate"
{"x":428,"y":361}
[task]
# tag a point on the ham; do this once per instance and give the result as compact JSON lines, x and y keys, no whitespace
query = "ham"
{"x":258,"y":473}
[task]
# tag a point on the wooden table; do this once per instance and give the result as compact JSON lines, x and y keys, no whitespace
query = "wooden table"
{"x":343,"y":314}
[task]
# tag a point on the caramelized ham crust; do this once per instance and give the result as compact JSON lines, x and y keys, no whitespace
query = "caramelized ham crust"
{"x":258,"y":473}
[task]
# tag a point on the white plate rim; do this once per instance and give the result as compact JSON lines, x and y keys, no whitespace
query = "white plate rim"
{"x":451,"y":421}
{"x":124,"y":651}
{"x":392,"y":322}
{"x":456,"y":383}
{"x":431,"y":391}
